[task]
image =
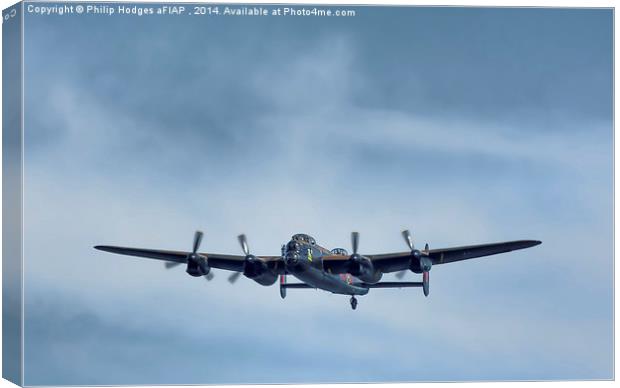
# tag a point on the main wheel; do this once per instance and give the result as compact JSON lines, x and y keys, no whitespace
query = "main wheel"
{"x":353,"y":303}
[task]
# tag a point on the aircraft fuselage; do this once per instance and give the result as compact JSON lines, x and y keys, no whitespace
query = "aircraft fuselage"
{"x":303,"y":259}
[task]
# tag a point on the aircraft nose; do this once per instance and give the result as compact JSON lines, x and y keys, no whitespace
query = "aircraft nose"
{"x":292,"y":253}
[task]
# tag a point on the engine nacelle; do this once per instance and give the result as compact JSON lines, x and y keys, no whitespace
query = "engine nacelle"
{"x":420,"y":263}
{"x":197,"y":266}
{"x":363,"y":269}
{"x":258,"y":271}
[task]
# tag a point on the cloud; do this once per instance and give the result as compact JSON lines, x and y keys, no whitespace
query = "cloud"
{"x":299,"y":153}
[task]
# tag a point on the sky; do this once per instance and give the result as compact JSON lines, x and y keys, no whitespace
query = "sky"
{"x":465,"y":125}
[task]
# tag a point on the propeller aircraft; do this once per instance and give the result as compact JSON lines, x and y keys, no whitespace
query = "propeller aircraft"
{"x":320,"y":268}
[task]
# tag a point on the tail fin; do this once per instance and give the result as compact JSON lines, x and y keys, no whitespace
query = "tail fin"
{"x":283,"y":286}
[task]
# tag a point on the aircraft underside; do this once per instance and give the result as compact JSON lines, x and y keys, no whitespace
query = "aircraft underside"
{"x":328,"y":282}
{"x":313,"y":277}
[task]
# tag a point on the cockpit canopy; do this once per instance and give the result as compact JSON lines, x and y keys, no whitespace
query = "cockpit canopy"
{"x":304,"y":238}
{"x":340,"y":252}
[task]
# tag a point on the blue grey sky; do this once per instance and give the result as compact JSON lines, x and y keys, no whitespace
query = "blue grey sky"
{"x":466,"y":125}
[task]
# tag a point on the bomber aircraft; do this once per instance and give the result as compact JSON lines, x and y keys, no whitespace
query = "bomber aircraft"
{"x":320,"y":268}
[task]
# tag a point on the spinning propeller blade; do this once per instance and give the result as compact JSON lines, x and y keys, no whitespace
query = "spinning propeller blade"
{"x":196,"y":245}
{"x":197,"y":241}
{"x":408,"y":239}
{"x":424,"y":262}
{"x":355,"y":240}
{"x":244,"y":244}
{"x":243,"y":240}
{"x":233,"y":278}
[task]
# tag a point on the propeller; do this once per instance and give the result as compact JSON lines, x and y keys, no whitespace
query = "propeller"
{"x":244,"y":244}
{"x":193,"y":256}
{"x":361,"y":266}
{"x":408,"y":239}
{"x":233,"y":278}
{"x":355,"y":242}
{"x":246,"y":249}
{"x":196,"y":258}
{"x":243,"y":241}
{"x":197,"y":240}
{"x":423,"y":259}
{"x":253,"y":267}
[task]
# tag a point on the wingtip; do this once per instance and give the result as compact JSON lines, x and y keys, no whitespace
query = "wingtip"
{"x":532,"y":243}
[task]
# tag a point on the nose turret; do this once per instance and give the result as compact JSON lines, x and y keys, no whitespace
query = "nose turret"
{"x":292,"y":252}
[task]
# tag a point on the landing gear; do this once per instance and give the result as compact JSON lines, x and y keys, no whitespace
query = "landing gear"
{"x":353,"y":303}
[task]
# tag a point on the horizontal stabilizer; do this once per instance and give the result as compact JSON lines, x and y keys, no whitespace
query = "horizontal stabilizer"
{"x":392,"y":284}
{"x":296,"y":285}
{"x":362,"y":285}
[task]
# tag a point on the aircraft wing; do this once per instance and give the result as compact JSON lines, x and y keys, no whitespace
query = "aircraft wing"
{"x":228,"y":262}
{"x":392,"y":262}
{"x":450,"y":255}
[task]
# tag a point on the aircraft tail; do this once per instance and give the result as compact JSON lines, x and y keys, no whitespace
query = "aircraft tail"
{"x":284,"y":285}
